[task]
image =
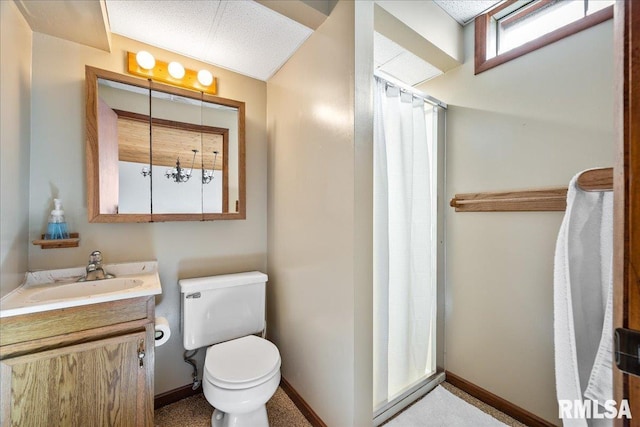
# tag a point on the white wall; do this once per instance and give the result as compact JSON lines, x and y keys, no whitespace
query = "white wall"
{"x":15,"y":110}
{"x":183,"y":249}
{"x":532,"y":122}
{"x":319,"y":292}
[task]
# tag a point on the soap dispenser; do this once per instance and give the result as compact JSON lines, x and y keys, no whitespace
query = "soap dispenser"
{"x":57,"y":227}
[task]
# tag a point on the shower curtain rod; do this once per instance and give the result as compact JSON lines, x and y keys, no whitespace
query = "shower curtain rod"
{"x":406,"y":88}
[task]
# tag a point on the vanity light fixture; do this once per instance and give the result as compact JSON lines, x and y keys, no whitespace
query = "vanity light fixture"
{"x":205,"y":77}
{"x":179,"y":174}
{"x":145,"y":172}
{"x":207,"y":176}
{"x":145,"y":60}
{"x":176,"y":70}
{"x":144,"y":65}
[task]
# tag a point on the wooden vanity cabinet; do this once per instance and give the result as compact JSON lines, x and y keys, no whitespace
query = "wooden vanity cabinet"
{"x":82,"y":366}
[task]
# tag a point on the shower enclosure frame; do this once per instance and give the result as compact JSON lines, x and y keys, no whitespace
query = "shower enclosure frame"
{"x":415,"y":392}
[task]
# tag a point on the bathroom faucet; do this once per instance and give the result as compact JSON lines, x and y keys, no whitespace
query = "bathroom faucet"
{"x":94,"y":268}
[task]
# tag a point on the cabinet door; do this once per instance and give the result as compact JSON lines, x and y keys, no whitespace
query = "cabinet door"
{"x":100,"y":383}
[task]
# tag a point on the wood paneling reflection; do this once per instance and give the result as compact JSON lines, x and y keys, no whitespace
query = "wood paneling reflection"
{"x":170,"y":140}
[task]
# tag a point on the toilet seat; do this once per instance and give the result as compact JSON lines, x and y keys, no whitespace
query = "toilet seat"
{"x":241,"y":363}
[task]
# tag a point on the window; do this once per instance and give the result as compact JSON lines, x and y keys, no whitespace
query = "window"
{"x":517,"y":27}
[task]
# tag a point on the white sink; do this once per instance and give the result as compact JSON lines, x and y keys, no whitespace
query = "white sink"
{"x":84,"y":289}
{"x":55,"y":289}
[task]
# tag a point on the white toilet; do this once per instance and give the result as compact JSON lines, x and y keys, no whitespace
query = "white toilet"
{"x":242,"y":371}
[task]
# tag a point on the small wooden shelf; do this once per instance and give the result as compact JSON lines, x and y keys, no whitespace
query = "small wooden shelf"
{"x":72,"y":242}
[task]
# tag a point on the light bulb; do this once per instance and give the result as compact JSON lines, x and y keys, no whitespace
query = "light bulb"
{"x":205,"y":78}
{"x":176,"y":70}
{"x":145,"y":60}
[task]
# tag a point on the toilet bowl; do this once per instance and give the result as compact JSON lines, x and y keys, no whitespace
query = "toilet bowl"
{"x":242,"y":371}
{"x":240,"y":376}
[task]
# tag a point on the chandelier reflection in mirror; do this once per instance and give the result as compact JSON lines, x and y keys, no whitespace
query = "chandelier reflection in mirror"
{"x":207,"y":175}
{"x":179,"y":174}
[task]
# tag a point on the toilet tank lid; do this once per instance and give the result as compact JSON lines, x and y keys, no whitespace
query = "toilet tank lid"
{"x":221,"y":281}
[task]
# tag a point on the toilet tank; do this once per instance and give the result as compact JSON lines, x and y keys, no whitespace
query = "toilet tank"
{"x":221,"y":308}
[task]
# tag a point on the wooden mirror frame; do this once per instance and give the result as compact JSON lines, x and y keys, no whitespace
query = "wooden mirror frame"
{"x":96,"y":182}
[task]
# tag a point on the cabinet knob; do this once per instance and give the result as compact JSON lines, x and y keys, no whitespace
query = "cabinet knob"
{"x":141,"y":353}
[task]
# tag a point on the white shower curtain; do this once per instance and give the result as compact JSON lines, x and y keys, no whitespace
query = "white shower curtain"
{"x":404,"y":233}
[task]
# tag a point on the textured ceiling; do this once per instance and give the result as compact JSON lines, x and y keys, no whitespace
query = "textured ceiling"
{"x":240,"y":35}
{"x":464,"y":11}
{"x":399,"y":63}
{"x":251,"y":39}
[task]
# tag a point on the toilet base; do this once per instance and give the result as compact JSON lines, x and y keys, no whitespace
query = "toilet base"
{"x":257,"y":418}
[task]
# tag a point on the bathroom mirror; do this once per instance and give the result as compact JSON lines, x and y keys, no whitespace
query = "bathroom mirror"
{"x":161,"y":153}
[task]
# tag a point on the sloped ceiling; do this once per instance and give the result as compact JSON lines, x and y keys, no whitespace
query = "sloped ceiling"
{"x":83,"y":22}
{"x":396,"y":61}
{"x":464,"y":11}
{"x":241,"y":35}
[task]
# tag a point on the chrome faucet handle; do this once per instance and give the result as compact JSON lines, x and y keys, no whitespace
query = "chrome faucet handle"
{"x":95,"y":258}
{"x":94,"y":269}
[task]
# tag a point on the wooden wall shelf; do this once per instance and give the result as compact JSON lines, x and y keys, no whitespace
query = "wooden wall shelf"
{"x":543,"y":199}
{"x":549,"y":199}
{"x":596,"y":180}
{"x":72,"y":242}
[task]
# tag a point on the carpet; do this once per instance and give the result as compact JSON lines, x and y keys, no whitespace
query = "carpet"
{"x":442,"y":408}
{"x":195,"y":411}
